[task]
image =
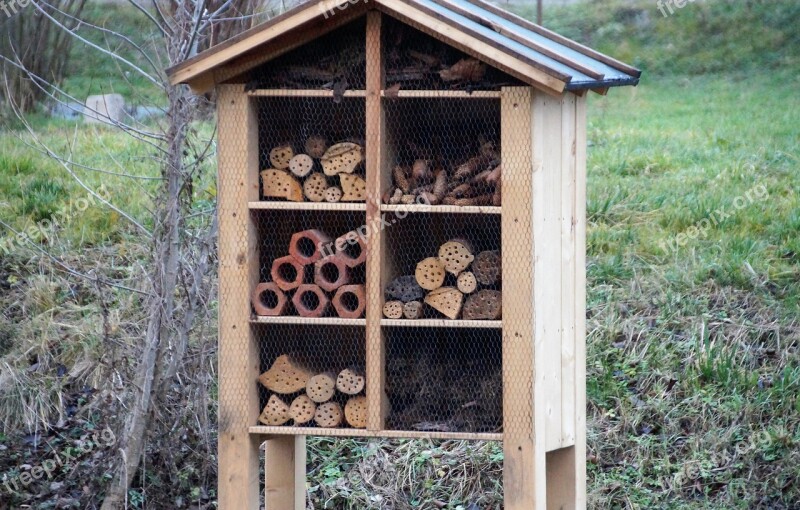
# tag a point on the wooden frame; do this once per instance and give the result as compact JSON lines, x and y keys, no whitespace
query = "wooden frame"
{"x":542,"y":218}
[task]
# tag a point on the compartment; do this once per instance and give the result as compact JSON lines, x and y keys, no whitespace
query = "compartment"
{"x":310,"y":145}
{"x":444,"y":379}
{"x":313,"y":351}
{"x":413,"y":250}
{"x":302,"y":267}
{"x":417,"y":61}
{"x":442,"y":152}
{"x":335,"y":61}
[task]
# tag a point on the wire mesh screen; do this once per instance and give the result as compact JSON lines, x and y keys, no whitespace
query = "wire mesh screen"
{"x":335,"y":61}
{"x":417,"y":61}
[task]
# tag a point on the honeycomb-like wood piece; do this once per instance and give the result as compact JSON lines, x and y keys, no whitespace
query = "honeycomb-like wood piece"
{"x":275,"y":413}
{"x":328,"y":415}
{"x":430,"y":273}
{"x":342,"y":158}
{"x":355,"y":412}
{"x":280,"y":156}
{"x":446,"y":300}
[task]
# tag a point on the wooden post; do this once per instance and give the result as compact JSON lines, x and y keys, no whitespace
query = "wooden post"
{"x":285,"y":473}
{"x":238,"y":273}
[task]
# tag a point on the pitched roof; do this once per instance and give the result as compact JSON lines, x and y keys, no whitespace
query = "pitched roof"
{"x":527,"y":51}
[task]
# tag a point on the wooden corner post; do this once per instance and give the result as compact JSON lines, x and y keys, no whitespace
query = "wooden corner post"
{"x":238,"y":451}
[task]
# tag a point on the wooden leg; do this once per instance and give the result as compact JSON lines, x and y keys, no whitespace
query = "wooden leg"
{"x":562,"y":483}
{"x":285,"y":473}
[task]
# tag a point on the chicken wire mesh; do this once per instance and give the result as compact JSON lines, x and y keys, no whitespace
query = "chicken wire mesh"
{"x":394,"y":273}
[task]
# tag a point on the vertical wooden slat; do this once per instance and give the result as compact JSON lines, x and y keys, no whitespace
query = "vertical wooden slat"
{"x":524,"y":476}
{"x":580,"y":302}
{"x":238,"y":273}
{"x":547,"y":263}
{"x":568,"y":225}
{"x":377,"y":403}
{"x":285,"y":473}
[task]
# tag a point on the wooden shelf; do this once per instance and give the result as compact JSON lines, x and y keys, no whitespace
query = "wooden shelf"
{"x":441,"y":323}
{"x":309,"y":321}
{"x":442,"y":209}
{"x":400,"y":434}
{"x":443,"y":94}
{"x":269,"y":205}
{"x":303,"y":93}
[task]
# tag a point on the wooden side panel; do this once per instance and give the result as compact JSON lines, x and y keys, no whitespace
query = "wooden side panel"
{"x":377,"y":402}
{"x":523,"y":398}
{"x":580,"y":302}
{"x":547,"y":261}
{"x":238,"y":273}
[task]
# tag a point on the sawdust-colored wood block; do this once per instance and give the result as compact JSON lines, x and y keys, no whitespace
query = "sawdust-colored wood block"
{"x":269,"y":300}
{"x":351,"y":380}
{"x":275,"y":413}
{"x":412,"y":310}
{"x":310,"y":301}
{"x":301,"y":165}
{"x":446,"y":300}
{"x":466,"y":282}
{"x":430,"y":273}
{"x":302,"y":410}
{"x":342,"y":158}
{"x":280,"y":184}
{"x":329,"y":415}
{"x":456,"y":255}
{"x":287,"y":273}
{"x":393,"y":309}
{"x":280,"y":156}
{"x":355,"y":412}
{"x":333,"y":195}
{"x":321,"y":387}
{"x":350,"y":301}
{"x":314,"y":187}
{"x":354,"y":188}
{"x":285,"y":376}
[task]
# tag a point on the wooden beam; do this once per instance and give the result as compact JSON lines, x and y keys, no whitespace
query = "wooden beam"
{"x":377,"y":401}
{"x":524,"y":476}
{"x":238,"y":272}
{"x":285,"y":473}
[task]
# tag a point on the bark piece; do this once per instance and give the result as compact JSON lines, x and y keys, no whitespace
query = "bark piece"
{"x":321,"y":387}
{"x":351,"y":381}
{"x":488,"y":267}
{"x":275,"y":413}
{"x":350,"y":301}
{"x":333,"y":194}
{"x":301,"y":165}
{"x":486,"y":199}
{"x":314,"y":187}
{"x":279,"y":184}
{"x":287,"y":273}
{"x":355,"y":412}
{"x":354,"y":188}
{"x":466,"y":282}
{"x":412,"y":310}
{"x":302,"y":410}
{"x":483,"y":305}
{"x":269,"y":300}
{"x":351,"y":248}
{"x":472,"y":166}
{"x":331,"y":273}
{"x":285,"y":376}
{"x":393,"y":309}
{"x":446,"y":300}
{"x":280,"y":156}
{"x":456,"y":255}
{"x":466,"y":69}
{"x":396,"y":197}
{"x":440,"y":186}
{"x":316,"y":146}
{"x":306,"y":246}
{"x":401,"y":179}
{"x":310,"y":301}
{"x":328,"y":415}
{"x":404,"y":288}
{"x":341,"y":158}
{"x":430,"y":273}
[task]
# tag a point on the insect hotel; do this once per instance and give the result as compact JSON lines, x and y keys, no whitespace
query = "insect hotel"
{"x":402,"y":188}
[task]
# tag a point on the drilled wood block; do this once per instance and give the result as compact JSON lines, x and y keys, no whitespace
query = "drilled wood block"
{"x":269,"y":300}
{"x":287,"y":272}
{"x":350,"y":301}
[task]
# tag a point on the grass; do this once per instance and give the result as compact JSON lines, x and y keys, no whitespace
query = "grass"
{"x":693,"y":280}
